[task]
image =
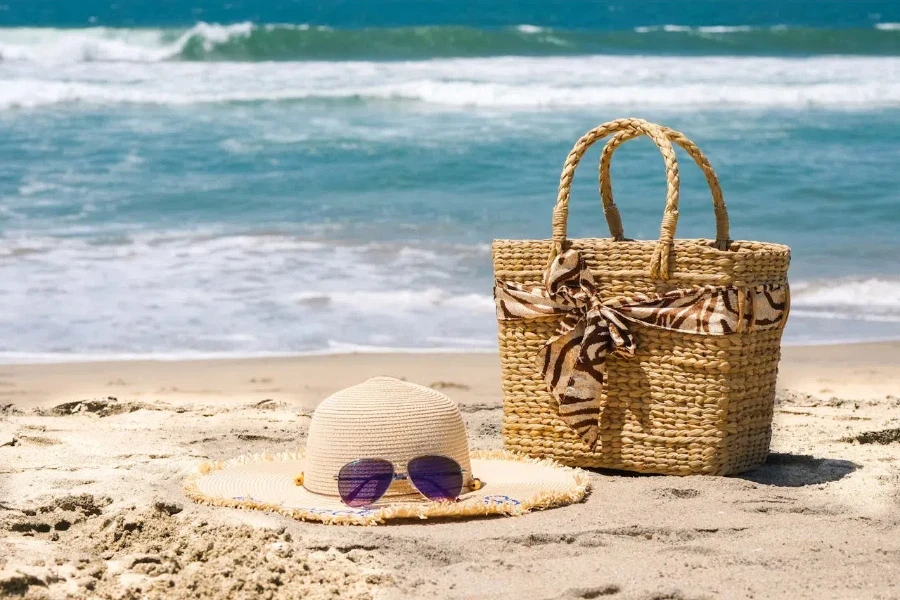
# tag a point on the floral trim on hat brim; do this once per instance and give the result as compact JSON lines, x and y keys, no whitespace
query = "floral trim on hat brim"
{"x":491,"y":505}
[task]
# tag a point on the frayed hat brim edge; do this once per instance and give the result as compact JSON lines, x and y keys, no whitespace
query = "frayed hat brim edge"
{"x":425,"y":510}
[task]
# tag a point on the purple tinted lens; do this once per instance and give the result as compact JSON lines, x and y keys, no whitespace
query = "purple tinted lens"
{"x":437,"y":477}
{"x":362,"y":482}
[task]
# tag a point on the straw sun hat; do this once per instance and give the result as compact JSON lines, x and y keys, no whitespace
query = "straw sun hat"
{"x":393,"y":420}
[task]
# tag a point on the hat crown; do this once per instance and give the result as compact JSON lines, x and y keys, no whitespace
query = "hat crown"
{"x":382,"y":418}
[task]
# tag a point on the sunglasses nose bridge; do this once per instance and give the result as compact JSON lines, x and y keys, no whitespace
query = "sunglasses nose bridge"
{"x":400,"y":486}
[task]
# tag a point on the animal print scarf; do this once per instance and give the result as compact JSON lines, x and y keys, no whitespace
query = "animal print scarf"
{"x":573,"y":362}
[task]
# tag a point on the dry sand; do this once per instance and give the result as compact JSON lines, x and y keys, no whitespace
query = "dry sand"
{"x":92,"y":459}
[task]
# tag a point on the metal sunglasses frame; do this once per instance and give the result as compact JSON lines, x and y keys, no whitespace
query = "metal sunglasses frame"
{"x":400,"y":476}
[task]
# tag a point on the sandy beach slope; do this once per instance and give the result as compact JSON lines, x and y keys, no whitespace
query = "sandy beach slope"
{"x":93,"y":455}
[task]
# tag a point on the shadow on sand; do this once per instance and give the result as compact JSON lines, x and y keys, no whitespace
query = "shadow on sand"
{"x":780,"y":470}
{"x":798,"y":470}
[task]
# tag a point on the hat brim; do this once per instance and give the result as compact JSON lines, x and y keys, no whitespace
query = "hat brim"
{"x":513,"y":484}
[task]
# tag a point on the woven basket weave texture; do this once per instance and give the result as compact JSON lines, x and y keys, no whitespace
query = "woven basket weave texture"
{"x":686,"y":403}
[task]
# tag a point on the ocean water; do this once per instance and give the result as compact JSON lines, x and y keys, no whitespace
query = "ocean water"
{"x":254,"y":178}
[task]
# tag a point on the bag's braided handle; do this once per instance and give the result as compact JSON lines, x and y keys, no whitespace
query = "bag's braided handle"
{"x":614,"y":219}
{"x":659,"y":262}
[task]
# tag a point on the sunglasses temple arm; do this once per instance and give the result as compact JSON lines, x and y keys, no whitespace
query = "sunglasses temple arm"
{"x":446,"y":492}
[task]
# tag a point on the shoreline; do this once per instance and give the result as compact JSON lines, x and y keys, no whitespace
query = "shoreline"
{"x":38,"y":358}
{"x":852,"y":371}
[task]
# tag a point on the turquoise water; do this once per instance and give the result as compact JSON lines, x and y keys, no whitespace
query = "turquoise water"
{"x":278,"y":178}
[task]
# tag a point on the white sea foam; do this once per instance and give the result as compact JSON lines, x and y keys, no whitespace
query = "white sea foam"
{"x":508,"y":83}
{"x":37,"y":187}
{"x":107,"y":44}
{"x":870,"y":299}
{"x":48,"y":46}
{"x":52,"y":46}
{"x":234,"y":146}
{"x":888,"y":26}
{"x":724,"y":28}
{"x":854,"y":314}
{"x":707,"y":28}
{"x":333,"y":348}
{"x":666,"y":28}
{"x":675,"y":28}
{"x":156,"y":295}
{"x":207,"y":294}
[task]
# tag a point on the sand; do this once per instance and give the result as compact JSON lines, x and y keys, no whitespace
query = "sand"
{"x":92,"y":459}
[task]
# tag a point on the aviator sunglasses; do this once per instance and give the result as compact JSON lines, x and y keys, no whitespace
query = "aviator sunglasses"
{"x":362,"y":482}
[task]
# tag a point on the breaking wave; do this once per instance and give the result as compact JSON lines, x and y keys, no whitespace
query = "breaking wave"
{"x":249,"y":42}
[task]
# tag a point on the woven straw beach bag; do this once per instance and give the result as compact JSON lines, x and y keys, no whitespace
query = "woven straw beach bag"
{"x":665,"y":353}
